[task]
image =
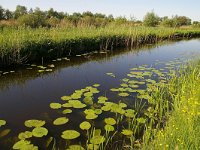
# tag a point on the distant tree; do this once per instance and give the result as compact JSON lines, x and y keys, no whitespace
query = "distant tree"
{"x":87,"y":13}
{"x":182,"y":20}
{"x":99,"y":15}
{"x":1,"y":13}
{"x":20,"y":11}
{"x":41,"y":16}
{"x":110,"y":18}
{"x":8,"y":14}
{"x":151,"y":19}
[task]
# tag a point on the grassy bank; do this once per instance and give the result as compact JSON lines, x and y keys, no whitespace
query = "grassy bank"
{"x":26,"y":44}
{"x":182,"y":128}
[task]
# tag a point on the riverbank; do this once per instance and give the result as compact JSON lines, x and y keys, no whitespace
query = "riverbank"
{"x":22,"y":45}
{"x":182,"y":127}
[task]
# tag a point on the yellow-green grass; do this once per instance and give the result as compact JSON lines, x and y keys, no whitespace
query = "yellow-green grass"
{"x":182,"y":128}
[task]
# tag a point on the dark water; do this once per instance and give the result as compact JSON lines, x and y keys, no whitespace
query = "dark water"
{"x":26,"y":94}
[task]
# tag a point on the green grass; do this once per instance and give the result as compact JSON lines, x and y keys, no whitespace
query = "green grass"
{"x":27,"y":44}
{"x":182,"y":127}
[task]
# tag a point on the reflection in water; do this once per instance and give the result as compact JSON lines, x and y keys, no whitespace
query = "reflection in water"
{"x":26,"y":94}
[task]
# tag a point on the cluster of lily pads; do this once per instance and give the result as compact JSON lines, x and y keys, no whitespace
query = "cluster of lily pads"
{"x":122,"y":120}
{"x":38,"y":131}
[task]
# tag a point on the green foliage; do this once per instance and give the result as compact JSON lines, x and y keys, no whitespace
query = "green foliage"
{"x":30,"y":20}
{"x":151,"y":19}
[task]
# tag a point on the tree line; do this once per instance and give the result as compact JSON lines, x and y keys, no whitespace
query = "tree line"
{"x":52,"y":18}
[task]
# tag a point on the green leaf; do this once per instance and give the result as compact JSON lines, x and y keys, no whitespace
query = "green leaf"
{"x":60,"y":121}
{"x":39,"y":132}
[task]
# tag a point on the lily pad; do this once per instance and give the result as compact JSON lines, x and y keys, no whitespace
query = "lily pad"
{"x":20,"y":144}
{"x":25,"y":135}
{"x":96,"y":140}
{"x":67,"y":105}
{"x":96,"y":85}
{"x":85,"y":125}
{"x":88,"y":94}
{"x":66,"y":98}
{"x":109,"y":128}
{"x":93,"y":147}
{"x":110,"y":121}
{"x":75,"y":147}
{"x":60,"y":121}
{"x":55,"y":105}
{"x":39,"y":132}
{"x":70,"y":134}
{"x":34,"y":123}
{"x":67,"y":111}
{"x":76,"y":104}
{"x":2,"y":123}
{"x":91,"y":116}
{"x":127,"y":132}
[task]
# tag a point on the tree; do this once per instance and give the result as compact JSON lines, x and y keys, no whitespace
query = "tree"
{"x":8,"y":14}
{"x":20,"y":11}
{"x":151,"y":19}
{"x":1,"y":13}
{"x":182,"y":20}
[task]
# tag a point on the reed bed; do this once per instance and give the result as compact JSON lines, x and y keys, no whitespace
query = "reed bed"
{"x":26,"y":44}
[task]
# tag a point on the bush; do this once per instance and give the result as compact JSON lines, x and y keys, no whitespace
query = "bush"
{"x":151,"y":19}
{"x":31,"y":20}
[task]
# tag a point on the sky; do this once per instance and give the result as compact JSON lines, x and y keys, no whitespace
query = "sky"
{"x":127,"y":8}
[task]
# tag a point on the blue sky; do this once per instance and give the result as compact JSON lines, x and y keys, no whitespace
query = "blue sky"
{"x":136,"y":8}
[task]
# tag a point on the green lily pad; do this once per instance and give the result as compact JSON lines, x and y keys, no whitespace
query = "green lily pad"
{"x":91,"y":116}
{"x":96,"y":85}
{"x":60,"y":121}
{"x":85,"y":125}
{"x":67,"y":111}
{"x":106,"y":108}
{"x":34,"y":123}
{"x":93,"y":147}
{"x":29,"y":147}
{"x":127,"y":132}
{"x":20,"y":144}
{"x":109,"y":128}
{"x":98,"y":111}
{"x":76,"y":95}
{"x":25,"y":135}
{"x":96,"y":140}
{"x":39,"y":132}
{"x":130,"y":113}
{"x":88,"y":94}
{"x":2,"y":123}
{"x":122,"y":105}
{"x":89,"y":111}
{"x":110,"y":121}
{"x":66,"y":98}
{"x":88,"y":100}
{"x":123,"y":94}
{"x":55,"y":105}
{"x":103,"y":98}
{"x":70,"y":134}
{"x":76,"y":104}
{"x":75,"y":147}
{"x":67,"y":105}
